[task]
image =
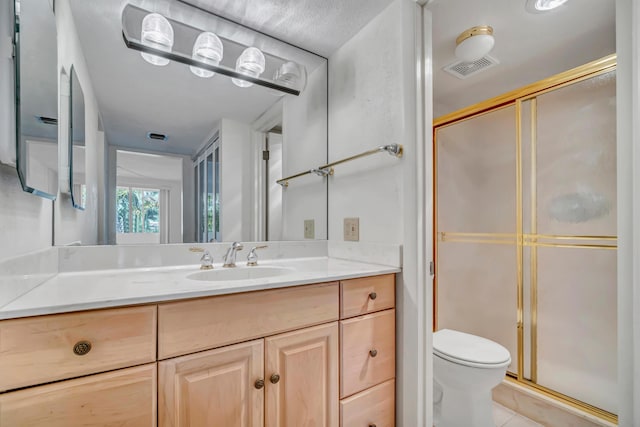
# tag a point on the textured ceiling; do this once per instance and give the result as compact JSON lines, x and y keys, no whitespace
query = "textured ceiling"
{"x":321,"y":26}
{"x":530,"y":47}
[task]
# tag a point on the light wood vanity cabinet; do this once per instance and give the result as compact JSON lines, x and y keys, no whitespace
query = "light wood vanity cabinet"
{"x":36,"y":350}
{"x":289,"y":379}
{"x":367,"y":352}
{"x":221,"y":387}
{"x":126,"y":397}
{"x":273,"y":358}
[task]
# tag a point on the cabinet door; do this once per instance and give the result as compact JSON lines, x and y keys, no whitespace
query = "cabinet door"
{"x":213,"y":388}
{"x":126,"y":397}
{"x":306,"y":392}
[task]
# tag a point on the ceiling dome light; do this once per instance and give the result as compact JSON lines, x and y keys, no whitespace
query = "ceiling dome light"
{"x":537,"y":6}
{"x":158,"y":34}
{"x":474,"y":43}
{"x":250,"y":63}
{"x":208,"y":49}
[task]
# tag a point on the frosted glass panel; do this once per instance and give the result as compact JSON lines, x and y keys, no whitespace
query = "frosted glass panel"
{"x":477,"y":285}
{"x":476,"y":167}
{"x":577,"y":324}
{"x":576,"y":159}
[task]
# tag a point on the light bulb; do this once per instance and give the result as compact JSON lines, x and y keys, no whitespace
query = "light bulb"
{"x":208,"y":49}
{"x":250,"y":63}
{"x":541,"y":6}
{"x":544,"y":5}
{"x":288,"y":74}
{"x":158,"y":34}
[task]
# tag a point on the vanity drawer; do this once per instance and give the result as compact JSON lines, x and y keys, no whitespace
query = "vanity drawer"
{"x":190,"y":326}
{"x":366,"y":295}
{"x":374,"y":406}
{"x":126,"y":397}
{"x":36,"y":350}
{"x":367,"y":351}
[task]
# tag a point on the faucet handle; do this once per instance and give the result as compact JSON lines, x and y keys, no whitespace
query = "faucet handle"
{"x":206,"y":261}
{"x":252,"y":258}
{"x":237,"y":246}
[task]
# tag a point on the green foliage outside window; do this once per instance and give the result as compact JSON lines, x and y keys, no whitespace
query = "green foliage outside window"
{"x":137,"y":210}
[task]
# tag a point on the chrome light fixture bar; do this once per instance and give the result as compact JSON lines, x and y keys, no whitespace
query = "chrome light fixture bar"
{"x":132,"y":17}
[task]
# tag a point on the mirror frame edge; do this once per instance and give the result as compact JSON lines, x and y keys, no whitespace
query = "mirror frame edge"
{"x":79,"y":206}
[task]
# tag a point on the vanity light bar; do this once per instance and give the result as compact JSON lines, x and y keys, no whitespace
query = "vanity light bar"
{"x":395,"y":150}
{"x":220,"y":69}
{"x":136,"y":44}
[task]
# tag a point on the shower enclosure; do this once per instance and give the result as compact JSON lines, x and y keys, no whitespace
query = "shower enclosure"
{"x":526,"y":242}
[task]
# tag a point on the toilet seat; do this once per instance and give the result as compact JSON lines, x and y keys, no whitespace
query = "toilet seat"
{"x":469,"y":350}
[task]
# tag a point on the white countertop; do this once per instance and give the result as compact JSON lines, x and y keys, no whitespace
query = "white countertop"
{"x":67,"y":292}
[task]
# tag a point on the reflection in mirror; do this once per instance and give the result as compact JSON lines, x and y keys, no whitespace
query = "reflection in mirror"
{"x":77,"y":176}
{"x":148,"y":198}
{"x":36,"y":88}
{"x":193,"y":157}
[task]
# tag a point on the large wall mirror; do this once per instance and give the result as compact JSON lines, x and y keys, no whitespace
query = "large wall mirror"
{"x":36,"y":89}
{"x":192,"y":155}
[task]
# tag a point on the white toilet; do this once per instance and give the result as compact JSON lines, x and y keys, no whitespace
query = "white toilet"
{"x":465,"y":369}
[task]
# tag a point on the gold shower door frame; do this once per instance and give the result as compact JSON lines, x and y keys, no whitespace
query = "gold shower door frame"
{"x":521,"y":240}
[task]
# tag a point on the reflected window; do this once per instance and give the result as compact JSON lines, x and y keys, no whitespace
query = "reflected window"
{"x":137,"y":210}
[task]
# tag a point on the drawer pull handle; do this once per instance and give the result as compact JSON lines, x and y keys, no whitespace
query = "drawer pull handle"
{"x":81,"y":348}
{"x":373,"y":296}
{"x":372,"y":425}
{"x":373,"y":353}
{"x":259,"y":384}
{"x":274,"y":378}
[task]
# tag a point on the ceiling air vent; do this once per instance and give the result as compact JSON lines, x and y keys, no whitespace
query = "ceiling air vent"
{"x":157,"y":136}
{"x":47,"y":120}
{"x":464,"y":69}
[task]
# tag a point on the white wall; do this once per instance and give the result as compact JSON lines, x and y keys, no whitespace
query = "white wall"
{"x":188,"y":202}
{"x":72,"y":225}
{"x":304,"y":128}
{"x":25,"y":219}
{"x":628,"y":153}
{"x":236,"y":184}
{"x":373,"y":101}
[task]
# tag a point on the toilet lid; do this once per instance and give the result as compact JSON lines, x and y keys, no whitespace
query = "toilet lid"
{"x":467,"y":349}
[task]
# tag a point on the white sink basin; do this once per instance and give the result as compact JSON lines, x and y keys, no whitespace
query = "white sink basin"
{"x":239,"y":273}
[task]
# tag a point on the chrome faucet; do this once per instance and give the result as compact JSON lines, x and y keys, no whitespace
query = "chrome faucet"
{"x":206,"y":260}
{"x":252,"y":258}
{"x":230,"y":256}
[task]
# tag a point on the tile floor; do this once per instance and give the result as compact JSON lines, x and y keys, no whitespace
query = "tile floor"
{"x":505,"y":417}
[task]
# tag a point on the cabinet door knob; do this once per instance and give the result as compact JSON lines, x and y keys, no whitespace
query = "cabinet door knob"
{"x":373,"y":295}
{"x":373,"y":353}
{"x":274,"y":378}
{"x":259,"y":384}
{"x":81,"y":348}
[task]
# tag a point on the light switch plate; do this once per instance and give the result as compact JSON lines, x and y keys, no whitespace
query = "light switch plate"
{"x":309,"y":229}
{"x":352,"y":229}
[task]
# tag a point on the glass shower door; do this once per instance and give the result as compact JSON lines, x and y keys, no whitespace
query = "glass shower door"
{"x":573,"y":241}
{"x":477,"y":271}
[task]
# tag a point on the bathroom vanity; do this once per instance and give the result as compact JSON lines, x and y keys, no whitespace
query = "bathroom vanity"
{"x":312,"y":353}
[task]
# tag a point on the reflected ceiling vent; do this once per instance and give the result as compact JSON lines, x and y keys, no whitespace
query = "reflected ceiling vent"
{"x":464,"y":69}
{"x":47,"y":120}
{"x":157,"y":136}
